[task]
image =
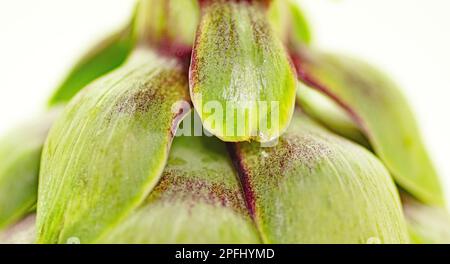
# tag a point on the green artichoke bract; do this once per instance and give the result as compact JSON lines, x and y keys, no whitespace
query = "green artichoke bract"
{"x":108,"y":149}
{"x":106,"y":56}
{"x":20,"y":154}
{"x":379,"y":109}
{"x":109,"y":173}
{"x":300,"y":33}
{"x":23,"y":147}
{"x":198,"y":200}
{"x":168,"y":25}
{"x":329,"y":114}
{"x":241,"y":81}
{"x":315,"y":187}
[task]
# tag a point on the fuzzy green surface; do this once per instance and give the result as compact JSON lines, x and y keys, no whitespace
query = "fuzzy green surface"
{"x":198,"y":200}
{"x":106,"y":56}
{"x":384,"y":116}
{"x":20,"y":154}
{"x":239,"y":63}
{"x":108,"y":149}
{"x":315,"y":187}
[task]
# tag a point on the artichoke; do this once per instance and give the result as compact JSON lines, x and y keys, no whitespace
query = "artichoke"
{"x":216,"y":121}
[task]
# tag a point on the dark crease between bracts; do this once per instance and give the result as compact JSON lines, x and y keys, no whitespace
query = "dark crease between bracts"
{"x":244,"y":177}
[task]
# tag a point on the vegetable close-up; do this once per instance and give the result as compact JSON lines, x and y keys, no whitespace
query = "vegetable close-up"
{"x":220,"y":121}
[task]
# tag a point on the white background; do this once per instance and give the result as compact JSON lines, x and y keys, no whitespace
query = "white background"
{"x":409,"y":39}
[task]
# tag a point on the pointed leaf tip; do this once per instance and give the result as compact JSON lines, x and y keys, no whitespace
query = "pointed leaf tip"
{"x":198,"y":200}
{"x":241,"y":81}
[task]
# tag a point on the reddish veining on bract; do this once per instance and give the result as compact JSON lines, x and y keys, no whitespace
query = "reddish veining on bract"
{"x":204,"y":3}
{"x":310,"y":81}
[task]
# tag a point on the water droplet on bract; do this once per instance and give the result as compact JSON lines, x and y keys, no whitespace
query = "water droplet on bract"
{"x":373,"y":240}
{"x":73,"y":240}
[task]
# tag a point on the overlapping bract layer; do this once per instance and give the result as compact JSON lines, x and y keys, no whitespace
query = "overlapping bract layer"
{"x":20,"y":156}
{"x":241,"y":80}
{"x":104,"y":175}
{"x":380,"y":110}
{"x":106,"y":152}
{"x":315,"y":187}
{"x":198,"y":200}
{"x":106,"y":56}
{"x":326,"y":111}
